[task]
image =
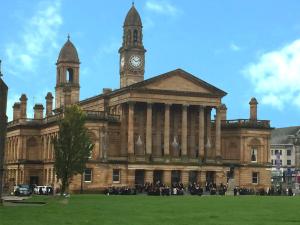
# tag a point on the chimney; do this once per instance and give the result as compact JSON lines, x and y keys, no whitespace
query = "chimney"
{"x":253,"y":108}
{"x":16,"y":111}
{"x":223,"y":112}
{"x":23,"y":100}
{"x":49,"y":103}
{"x":106,"y":90}
{"x":38,"y":111}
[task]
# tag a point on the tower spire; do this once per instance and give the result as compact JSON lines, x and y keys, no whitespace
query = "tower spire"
{"x":132,"y":51}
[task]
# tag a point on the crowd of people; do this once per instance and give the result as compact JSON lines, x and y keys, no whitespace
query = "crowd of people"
{"x":161,"y":189}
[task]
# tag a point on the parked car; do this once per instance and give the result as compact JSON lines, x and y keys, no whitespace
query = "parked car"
{"x":22,"y":190}
{"x":43,"y":190}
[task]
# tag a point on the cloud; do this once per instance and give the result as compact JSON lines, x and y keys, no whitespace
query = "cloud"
{"x":234,"y":47}
{"x":37,"y":38}
{"x":162,"y":7}
{"x":276,"y":76}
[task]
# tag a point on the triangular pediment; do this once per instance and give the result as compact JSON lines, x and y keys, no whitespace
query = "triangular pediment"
{"x":181,"y":81}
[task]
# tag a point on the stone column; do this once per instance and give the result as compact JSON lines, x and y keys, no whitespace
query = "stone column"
{"x":167,"y":177}
{"x":149,"y":130}
{"x":218,"y":134}
{"x":202,"y":178}
{"x":148,"y":176}
{"x":131,"y":129}
{"x":185,"y":177}
{"x":201,"y":133}
{"x":184,"y":131}
{"x":124,"y":144}
{"x":130,"y":177}
{"x":49,"y":147}
{"x":167,"y":130}
{"x":208,"y":133}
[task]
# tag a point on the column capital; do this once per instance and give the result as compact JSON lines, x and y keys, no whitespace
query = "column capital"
{"x":184,"y":106}
{"x":149,"y":104}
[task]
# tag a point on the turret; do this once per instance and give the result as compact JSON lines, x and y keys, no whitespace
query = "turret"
{"x":67,"y":77}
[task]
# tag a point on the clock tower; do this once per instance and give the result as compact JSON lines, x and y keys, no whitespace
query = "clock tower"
{"x":132,"y":52}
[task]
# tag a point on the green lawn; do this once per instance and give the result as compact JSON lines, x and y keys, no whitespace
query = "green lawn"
{"x":152,"y":210}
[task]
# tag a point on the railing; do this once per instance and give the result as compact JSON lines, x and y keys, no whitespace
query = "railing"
{"x":95,"y":115}
{"x":245,"y":123}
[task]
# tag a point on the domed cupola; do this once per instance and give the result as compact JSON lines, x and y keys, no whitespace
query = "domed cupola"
{"x":67,"y":76}
{"x":133,"y":18}
{"x":68,"y":53}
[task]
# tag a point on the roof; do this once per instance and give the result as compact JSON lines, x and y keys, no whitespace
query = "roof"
{"x":281,"y":135}
{"x":133,"y":18}
{"x":68,"y":53}
{"x":140,"y":85}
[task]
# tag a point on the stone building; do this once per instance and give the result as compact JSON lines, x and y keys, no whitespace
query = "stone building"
{"x":285,"y":155}
{"x":3,"y":123}
{"x":159,"y":129}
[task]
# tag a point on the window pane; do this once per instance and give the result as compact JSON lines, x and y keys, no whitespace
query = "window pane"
{"x":254,"y":155}
{"x":88,"y":175}
{"x":116,"y":175}
{"x":255,"y":178}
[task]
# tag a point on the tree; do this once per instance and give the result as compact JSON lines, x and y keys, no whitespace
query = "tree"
{"x":72,"y":146}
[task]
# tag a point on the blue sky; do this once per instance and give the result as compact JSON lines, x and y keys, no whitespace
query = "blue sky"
{"x":246,"y":48}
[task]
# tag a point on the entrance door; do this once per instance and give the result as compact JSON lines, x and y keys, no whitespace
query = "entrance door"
{"x":139,"y":177}
{"x":175,"y":177}
{"x":34,"y":180}
{"x":193,"y":177}
{"x":210,"y":177}
{"x":157,"y":176}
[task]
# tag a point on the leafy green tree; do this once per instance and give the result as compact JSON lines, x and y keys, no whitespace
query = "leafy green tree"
{"x":72,"y":146}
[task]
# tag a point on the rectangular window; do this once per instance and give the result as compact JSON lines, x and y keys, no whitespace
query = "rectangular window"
{"x":255,"y":178}
{"x":116,"y":176}
{"x":288,"y":152}
{"x":288,"y":162}
{"x":276,"y":152}
{"x":280,"y":162}
{"x":280,"y":152}
{"x":254,"y":155}
{"x":272,"y":162}
{"x":87,"y":175}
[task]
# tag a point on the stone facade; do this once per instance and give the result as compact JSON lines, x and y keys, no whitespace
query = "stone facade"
{"x":148,"y":130}
{"x":3,"y":122}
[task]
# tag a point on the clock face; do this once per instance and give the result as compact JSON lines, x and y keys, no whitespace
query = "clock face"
{"x":135,"y":61}
{"x":122,"y":62}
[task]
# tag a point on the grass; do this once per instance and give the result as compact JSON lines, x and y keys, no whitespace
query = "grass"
{"x":152,"y":210}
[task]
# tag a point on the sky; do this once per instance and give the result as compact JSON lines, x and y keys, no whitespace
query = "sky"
{"x":246,"y":48}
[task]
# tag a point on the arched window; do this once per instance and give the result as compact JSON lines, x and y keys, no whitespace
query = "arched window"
{"x":69,"y":75}
{"x":135,"y":36}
